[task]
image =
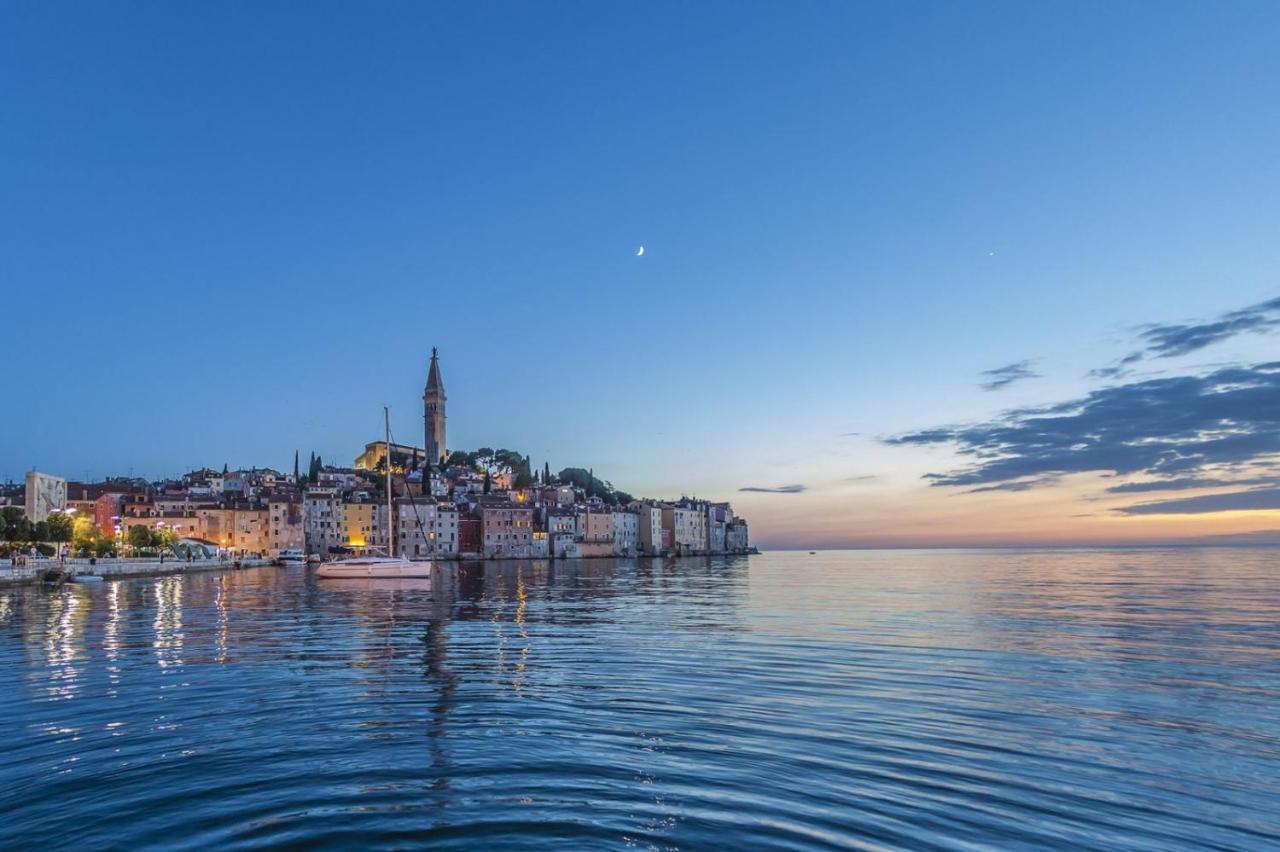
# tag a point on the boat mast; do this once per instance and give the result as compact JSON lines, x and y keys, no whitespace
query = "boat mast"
{"x":391,"y":527}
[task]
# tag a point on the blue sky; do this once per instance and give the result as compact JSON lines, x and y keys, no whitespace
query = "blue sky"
{"x":234,"y":230}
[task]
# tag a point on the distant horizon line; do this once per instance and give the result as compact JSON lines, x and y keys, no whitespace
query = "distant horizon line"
{"x":1154,"y":545}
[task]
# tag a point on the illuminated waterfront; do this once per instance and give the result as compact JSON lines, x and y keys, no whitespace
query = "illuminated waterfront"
{"x":900,"y":699}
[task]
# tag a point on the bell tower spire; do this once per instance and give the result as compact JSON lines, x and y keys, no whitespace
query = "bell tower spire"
{"x":433,"y":417}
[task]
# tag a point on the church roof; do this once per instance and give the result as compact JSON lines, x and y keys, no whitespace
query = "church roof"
{"x":433,"y":376}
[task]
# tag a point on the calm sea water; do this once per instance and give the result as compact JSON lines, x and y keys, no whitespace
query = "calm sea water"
{"x":914,"y":700}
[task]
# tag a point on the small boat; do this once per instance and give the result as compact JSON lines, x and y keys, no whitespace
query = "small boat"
{"x":291,"y":556}
{"x":373,"y":568}
{"x":377,"y":567}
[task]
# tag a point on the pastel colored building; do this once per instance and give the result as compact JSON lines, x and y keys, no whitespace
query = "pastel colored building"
{"x":626,"y":533}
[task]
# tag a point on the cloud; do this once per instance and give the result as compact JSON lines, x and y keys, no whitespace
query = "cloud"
{"x":1002,"y":377}
{"x":1188,"y":482}
{"x":781,"y":489}
{"x":1016,"y":485}
{"x":866,"y":477}
{"x":1253,"y":500}
{"x":1183,"y":426}
{"x":1170,"y":340}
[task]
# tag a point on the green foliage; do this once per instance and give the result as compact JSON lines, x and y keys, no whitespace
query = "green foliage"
{"x":591,"y":486}
{"x":59,"y":527}
{"x":14,"y":525}
{"x":139,"y":537}
{"x":86,"y":536}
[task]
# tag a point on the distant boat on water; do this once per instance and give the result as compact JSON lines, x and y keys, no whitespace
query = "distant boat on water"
{"x":378,"y":567}
{"x":374,"y":567}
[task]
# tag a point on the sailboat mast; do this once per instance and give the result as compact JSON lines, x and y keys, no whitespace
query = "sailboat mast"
{"x":391,"y":527}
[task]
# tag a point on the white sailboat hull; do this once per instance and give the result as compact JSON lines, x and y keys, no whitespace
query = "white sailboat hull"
{"x":374,"y":568}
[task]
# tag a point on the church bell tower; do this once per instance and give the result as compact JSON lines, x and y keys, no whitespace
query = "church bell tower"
{"x":433,"y":412}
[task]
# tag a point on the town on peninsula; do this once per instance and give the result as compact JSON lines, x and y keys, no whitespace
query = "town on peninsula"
{"x":445,"y":504}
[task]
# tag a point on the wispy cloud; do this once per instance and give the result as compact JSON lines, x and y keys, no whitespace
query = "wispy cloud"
{"x":1170,"y":340}
{"x":1002,"y":377}
{"x":1252,"y":500}
{"x":1184,"y":426}
{"x":866,"y":477}
{"x":1189,"y":482}
{"x":781,"y":489}
{"x":1015,"y":485}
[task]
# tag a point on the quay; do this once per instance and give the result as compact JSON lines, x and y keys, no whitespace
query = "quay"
{"x":110,"y":569}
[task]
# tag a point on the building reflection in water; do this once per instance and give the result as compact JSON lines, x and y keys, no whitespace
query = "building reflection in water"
{"x":111,"y":636}
{"x":221,"y":608}
{"x":168,"y":636}
{"x":64,"y":639}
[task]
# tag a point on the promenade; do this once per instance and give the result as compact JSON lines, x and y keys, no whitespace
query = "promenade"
{"x":117,"y":568}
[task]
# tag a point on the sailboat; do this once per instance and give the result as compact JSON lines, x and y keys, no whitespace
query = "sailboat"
{"x":378,"y":567}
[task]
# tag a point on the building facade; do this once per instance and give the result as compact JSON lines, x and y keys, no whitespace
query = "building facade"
{"x":626,"y":533}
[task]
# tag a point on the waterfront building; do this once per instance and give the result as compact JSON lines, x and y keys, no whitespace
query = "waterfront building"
{"x":107,"y":510}
{"x":649,"y":530}
{"x":561,"y":521}
{"x":322,"y":519}
{"x":286,"y":527}
{"x":687,"y":526}
{"x":426,"y":528}
{"x":359,"y":523}
{"x":45,"y":494}
{"x":718,"y":517}
{"x":252,"y":530}
{"x":595,"y":525}
{"x":506,"y":527}
{"x":626,"y":533}
{"x":433,"y":413}
{"x":736,"y":538}
{"x":470,"y":535}
{"x":212,"y":523}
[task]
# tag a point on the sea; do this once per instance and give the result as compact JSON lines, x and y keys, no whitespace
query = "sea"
{"x":939,"y":699}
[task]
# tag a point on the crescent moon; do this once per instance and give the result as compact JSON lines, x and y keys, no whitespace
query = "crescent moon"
{"x":640,"y":252}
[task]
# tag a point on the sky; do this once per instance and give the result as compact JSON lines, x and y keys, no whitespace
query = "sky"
{"x":915,"y":274}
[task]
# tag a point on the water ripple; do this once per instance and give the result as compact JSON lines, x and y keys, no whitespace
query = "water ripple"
{"x":944,"y":700}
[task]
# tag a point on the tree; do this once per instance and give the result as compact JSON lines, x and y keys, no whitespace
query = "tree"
{"x":139,"y":537}
{"x":488,"y":482}
{"x":59,"y":527}
{"x":295,"y":466}
{"x":524,"y":476}
{"x":546,"y":473}
{"x":88,"y":540}
{"x":11,"y":518}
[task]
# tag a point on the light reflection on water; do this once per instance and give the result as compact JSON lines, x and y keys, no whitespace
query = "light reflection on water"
{"x":899,"y":699}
